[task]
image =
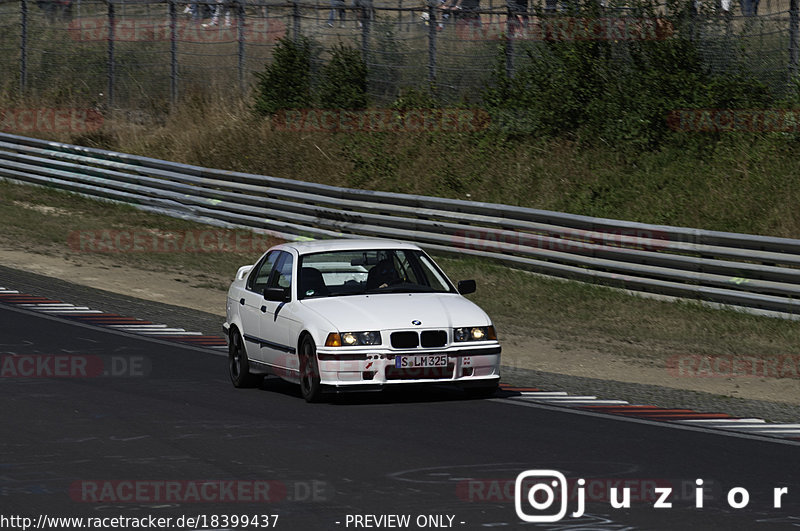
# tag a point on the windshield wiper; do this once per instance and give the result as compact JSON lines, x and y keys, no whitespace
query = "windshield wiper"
{"x":402,"y":288}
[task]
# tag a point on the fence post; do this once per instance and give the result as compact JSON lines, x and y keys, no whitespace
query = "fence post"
{"x":432,"y":41}
{"x":400,"y":16}
{"x":794,"y":25}
{"x":111,"y":24}
{"x":365,"y":16}
{"x":511,"y":25}
{"x":241,"y":39}
{"x":694,"y":17}
{"x":295,"y":20}
{"x":23,"y":45}
{"x":173,"y":53}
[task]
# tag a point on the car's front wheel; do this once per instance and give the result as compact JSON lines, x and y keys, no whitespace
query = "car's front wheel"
{"x":310,"y":385}
{"x":238,"y":364}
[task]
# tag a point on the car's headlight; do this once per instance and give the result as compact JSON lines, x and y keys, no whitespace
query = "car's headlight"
{"x":352,"y":339}
{"x":474,"y":333}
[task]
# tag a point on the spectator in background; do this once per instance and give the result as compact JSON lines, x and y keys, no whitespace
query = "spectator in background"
{"x":195,"y":11}
{"x":749,"y":7}
{"x":366,"y":11}
{"x":517,"y":15}
{"x":467,"y":10}
{"x":56,"y":9}
{"x":337,"y":5}
{"x":215,"y":14}
{"x":445,"y":9}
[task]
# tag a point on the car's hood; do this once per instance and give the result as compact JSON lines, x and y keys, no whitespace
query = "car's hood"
{"x":392,"y":311}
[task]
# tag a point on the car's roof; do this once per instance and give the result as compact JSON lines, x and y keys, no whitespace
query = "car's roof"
{"x":347,"y":244}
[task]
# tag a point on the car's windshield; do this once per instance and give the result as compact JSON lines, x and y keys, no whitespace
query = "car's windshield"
{"x":337,"y":273}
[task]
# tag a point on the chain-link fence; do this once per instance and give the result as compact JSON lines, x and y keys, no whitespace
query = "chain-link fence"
{"x":152,"y":53}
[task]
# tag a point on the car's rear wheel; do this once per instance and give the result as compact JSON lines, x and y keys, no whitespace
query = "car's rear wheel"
{"x":310,"y":385}
{"x":238,"y":364}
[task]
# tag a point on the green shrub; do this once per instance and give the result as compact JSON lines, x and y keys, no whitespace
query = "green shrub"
{"x":344,"y":80}
{"x":616,"y":94}
{"x":286,"y":82}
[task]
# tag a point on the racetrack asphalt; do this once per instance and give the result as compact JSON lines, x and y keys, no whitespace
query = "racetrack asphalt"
{"x":101,"y":446}
{"x":209,"y":323}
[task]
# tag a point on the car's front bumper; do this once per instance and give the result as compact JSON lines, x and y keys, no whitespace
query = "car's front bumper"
{"x":377,"y":368}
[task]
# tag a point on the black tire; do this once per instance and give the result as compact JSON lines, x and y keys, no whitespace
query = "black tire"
{"x":310,"y":387}
{"x":482,"y":391}
{"x":238,"y":364}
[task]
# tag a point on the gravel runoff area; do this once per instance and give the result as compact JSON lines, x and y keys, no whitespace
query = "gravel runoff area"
{"x":207,"y":323}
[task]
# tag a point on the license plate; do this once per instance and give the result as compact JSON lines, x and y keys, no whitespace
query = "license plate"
{"x":412,"y":362}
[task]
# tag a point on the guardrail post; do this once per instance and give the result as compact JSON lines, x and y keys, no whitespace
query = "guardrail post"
{"x":23,"y":45}
{"x":173,"y":53}
{"x":111,"y":24}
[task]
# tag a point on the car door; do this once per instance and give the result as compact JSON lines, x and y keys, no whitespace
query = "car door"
{"x":252,"y":302}
{"x":278,"y":327}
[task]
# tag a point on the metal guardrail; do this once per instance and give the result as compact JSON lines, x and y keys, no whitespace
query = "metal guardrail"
{"x":756,"y":272}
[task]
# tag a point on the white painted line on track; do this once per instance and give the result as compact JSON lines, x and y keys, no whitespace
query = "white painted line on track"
{"x":742,"y":426}
{"x":156,"y":333}
{"x":764,"y":427}
{"x":121,"y":333}
{"x":49,"y":304}
{"x":143,"y":327}
{"x":562,"y":398}
{"x":70,"y":311}
{"x":723,"y":421}
{"x":589,"y":402}
{"x":654,"y":423}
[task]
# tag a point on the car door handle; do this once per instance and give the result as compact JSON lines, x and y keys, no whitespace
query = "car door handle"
{"x":263,"y":309}
{"x":241,"y":301}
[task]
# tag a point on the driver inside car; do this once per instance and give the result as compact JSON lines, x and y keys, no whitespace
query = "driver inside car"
{"x":382,"y":275}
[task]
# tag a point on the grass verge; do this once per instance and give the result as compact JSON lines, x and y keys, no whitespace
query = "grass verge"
{"x":568,"y":314}
{"x":741,"y":183}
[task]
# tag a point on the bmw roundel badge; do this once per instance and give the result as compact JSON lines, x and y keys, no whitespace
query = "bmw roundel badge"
{"x":416,"y":322}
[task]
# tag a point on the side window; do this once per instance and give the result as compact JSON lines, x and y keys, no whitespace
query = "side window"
{"x":259,"y":277}
{"x":283,"y":272}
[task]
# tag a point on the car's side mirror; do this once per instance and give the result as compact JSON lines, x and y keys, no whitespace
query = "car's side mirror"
{"x":465,"y":287}
{"x":277,"y":294}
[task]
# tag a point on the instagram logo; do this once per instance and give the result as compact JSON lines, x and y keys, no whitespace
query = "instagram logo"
{"x":540,"y":489}
{"x":543,"y":489}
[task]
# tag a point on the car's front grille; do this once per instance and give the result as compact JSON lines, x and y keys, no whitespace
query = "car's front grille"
{"x":428,"y":339}
{"x":420,"y":373}
{"x":405,"y":340}
{"x":433,"y":338}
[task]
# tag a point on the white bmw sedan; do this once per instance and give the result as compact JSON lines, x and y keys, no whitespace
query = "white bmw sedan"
{"x":339,"y":315}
